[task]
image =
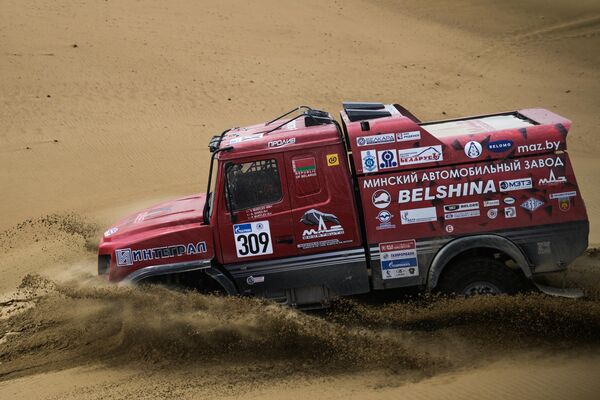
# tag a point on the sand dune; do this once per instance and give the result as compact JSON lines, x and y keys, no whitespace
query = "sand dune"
{"x":108,"y":106}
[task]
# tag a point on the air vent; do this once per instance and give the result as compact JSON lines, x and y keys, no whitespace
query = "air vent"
{"x":361,"y":115}
{"x":354,"y":105}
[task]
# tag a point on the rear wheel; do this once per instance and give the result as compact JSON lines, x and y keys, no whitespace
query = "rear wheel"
{"x":479,"y":276}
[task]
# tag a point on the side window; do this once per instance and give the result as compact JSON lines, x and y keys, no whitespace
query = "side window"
{"x":253,"y":184}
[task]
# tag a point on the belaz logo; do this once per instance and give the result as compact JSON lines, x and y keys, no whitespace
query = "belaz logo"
{"x":320,"y":219}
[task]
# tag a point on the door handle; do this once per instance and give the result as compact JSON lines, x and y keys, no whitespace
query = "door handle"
{"x":285,"y":240}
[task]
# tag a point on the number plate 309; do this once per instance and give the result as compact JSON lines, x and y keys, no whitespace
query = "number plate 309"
{"x":252,"y":239}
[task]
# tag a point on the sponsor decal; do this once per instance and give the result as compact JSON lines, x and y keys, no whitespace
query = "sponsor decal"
{"x":446,"y":191}
{"x":492,"y":213}
{"x":564,"y":203}
{"x":544,"y":247}
{"x":111,"y":231}
{"x":375,"y":140}
{"x":421,"y":155}
{"x":509,"y":200}
{"x":333,"y":160}
{"x":499,"y":146}
{"x":141,"y":217}
{"x":491,"y":203}
{"x":515,"y":184}
{"x":322,"y":243}
{"x":449,"y":228}
{"x":281,"y":142}
{"x":510,"y":212}
{"x":546,"y":145}
{"x":462,"y":214}
{"x":387,"y":159}
{"x":474,"y":205}
{"x":418,"y":215}
{"x":552,"y":180}
{"x":259,"y":212}
{"x":127,"y":257}
{"x":252,"y":239}
{"x":384,"y":217}
{"x":399,"y":259}
{"x":369,"y":160}
{"x":381,"y":198}
{"x":532,"y":204}
{"x":563,"y":195}
{"x":408,"y":136}
{"x":251,"y":280}
{"x":246,"y":138}
{"x":320,"y":220}
{"x":564,"y":199}
{"x":304,"y":167}
{"x":473,"y":149}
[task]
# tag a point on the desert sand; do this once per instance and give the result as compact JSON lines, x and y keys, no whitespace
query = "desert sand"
{"x":108,"y":106}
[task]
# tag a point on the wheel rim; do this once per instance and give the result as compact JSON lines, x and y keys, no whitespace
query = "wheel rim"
{"x":482,"y":288}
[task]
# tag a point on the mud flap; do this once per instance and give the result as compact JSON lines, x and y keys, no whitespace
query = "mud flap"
{"x":571,"y":293}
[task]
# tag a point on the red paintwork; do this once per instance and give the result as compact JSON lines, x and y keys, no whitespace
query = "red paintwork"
{"x":166,"y":224}
{"x":330,"y":190}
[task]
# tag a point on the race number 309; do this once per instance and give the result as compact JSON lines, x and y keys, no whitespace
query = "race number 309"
{"x":252,"y":239}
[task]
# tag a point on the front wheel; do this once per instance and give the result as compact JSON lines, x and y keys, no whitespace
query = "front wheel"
{"x":479,"y":276}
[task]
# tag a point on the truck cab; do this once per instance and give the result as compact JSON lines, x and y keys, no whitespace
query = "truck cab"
{"x":303,"y":209}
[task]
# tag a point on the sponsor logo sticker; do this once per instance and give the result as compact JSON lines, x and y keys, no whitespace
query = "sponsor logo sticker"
{"x":473,"y":149}
{"x":399,"y":259}
{"x":384,"y":217}
{"x":246,"y":138}
{"x":492,"y":213}
{"x":111,"y":231}
{"x":552,"y":180}
{"x":375,"y":140}
{"x":474,"y":205}
{"x":509,"y":200}
{"x":126,"y":257}
{"x":532,"y":204}
{"x":387,"y":159}
{"x":462,"y":214}
{"x":418,"y":215}
{"x":281,"y":142}
{"x":251,"y":280}
{"x":408,"y":136}
{"x":333,"y":160}
{"x":510,"y":212}
{"x":326,"y":225}
{"x":369,"y":160}
{"x":449,"y":228}
{"x":421,"y":155}
{"x":491,"y":203}
{"x":515,"y":184}
{"x":499,"y":146}
{"x":564,"y":203}
{"x":563,"y":195}
{"x":381,"y":198}
{"x":304,"y":167}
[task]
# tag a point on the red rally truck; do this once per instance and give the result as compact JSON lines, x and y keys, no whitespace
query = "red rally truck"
{"x":303,"y":209}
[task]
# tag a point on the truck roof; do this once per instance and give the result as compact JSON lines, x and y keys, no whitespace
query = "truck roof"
{"x":281,"y":134}
{"x":387,"y":137}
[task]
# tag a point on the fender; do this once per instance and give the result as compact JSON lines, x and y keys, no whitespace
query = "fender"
{"x":460,"y":245}
{"x":177,"y":268}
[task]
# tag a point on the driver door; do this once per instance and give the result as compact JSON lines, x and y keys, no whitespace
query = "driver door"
{"x":255,"y":191}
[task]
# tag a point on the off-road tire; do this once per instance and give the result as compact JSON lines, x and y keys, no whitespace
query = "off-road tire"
{"x":479,"y":275}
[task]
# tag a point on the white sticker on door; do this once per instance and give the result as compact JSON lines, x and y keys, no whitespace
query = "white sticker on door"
{"x":252,"y":239}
